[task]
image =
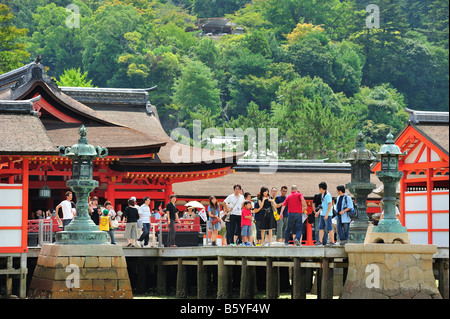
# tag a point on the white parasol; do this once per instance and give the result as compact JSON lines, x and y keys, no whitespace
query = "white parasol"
{"x":194,"y":204}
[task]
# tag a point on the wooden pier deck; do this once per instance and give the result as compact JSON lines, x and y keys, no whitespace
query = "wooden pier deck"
{"x":219,"y":269}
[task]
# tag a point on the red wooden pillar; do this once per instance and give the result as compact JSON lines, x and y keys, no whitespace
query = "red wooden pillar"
{"x":25,"y":192}
{"x":11,"y":178}
{"x":110,"y":194}
{"x":429,"y":173}
{"x":167,"y":193}
{"x":403,"y":188}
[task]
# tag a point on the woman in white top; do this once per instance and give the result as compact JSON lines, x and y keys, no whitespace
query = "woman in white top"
{"x":144,"y":215}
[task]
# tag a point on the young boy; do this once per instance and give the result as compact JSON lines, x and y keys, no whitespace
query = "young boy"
{"x":246,"y":222}
{"x":105,"y":225}
{"x":248,"y":197}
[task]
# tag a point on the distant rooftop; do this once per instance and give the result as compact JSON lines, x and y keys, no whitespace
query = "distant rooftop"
{"x":423,"y":117}
{"x":121,"y":96}
{"x":291,"y":165}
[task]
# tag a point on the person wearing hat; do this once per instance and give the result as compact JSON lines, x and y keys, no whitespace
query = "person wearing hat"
{"x":105,"y":224}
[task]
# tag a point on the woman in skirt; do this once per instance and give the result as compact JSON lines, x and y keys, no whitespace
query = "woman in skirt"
{"x":268,"y":222}
{"x":214,"y":218}
{"x":130,"y":216}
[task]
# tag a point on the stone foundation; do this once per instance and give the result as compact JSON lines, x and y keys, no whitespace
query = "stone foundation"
{"x":80,"y":272}
{"x":390,"y":271}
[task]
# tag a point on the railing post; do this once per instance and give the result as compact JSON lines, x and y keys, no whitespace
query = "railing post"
{"x":41,"y":233}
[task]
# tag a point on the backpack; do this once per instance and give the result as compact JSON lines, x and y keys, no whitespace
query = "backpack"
{"x":352,"y":212}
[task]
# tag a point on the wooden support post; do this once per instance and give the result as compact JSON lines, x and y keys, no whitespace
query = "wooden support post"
{"x":23,"y":275}
{"x":309,"y":279}
{"x":443,"y":278}
{"x":299,"y":280}
{"x":9,"y":267}
{"x":181,"y":292}
{"x":161,"y":278}
{"x":319,"y":282}
{"x":223,"y":290}
{"x":327,"y":280}
{"x":202,"y":279}
{"x":246,"y":290}
{"x":253,"y":285}
{"x":141,"y":274}
{"x":271,"y":280}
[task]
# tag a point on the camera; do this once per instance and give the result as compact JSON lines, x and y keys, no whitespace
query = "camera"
{"x":318,"y":208}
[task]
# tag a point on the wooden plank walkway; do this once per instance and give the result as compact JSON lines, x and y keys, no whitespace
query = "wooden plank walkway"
{"x":300,"y":260}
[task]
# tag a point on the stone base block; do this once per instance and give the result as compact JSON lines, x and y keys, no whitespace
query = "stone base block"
{"x":388,"y":271}
{"x":81,"y":272}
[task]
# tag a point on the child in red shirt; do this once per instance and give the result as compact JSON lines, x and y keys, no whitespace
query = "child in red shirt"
{"x":246,"y":223}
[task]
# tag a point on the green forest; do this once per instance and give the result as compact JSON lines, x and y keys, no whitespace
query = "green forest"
{"x":311,"y":68}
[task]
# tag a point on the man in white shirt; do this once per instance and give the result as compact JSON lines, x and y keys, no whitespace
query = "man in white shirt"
{"x":66,"y":206}
{"x":233,"y":206}
{"x":144,"y":215}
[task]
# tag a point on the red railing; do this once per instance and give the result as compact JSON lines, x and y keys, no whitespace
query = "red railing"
{"x":33,"y":224}
{"x":185,"y":225}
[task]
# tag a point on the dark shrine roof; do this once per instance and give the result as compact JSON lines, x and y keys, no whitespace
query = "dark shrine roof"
{"x":123,"y":120}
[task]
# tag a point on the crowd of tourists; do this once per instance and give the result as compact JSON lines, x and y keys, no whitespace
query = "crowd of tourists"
{"x":254,"y":221}
{"x":240,"y":219}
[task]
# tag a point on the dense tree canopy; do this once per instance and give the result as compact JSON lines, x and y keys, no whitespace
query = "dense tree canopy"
{"x":310,"y":68}
{"x":12,"y":53}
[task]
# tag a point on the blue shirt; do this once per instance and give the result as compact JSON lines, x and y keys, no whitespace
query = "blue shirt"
{"x":280,"y":199}
{"x":346,"y":202}
{"x":325,"y":202}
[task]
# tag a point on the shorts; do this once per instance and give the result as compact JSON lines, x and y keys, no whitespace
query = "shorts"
{"x":246,"y":231}
{"x":326,"y":223}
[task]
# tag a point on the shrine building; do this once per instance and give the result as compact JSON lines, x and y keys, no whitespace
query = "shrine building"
{"x":424,"y":188}
{"x":37,"y":116}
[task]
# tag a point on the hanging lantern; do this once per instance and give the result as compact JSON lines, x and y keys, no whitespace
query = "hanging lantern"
{"x":45,"y":192}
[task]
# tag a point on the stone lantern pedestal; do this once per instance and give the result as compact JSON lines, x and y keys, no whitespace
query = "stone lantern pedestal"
{"x":360,"y":159}
{"x":387,"y":266}
{"x":390,"y":271}
{"x":80,"y":272}
{"x":81,"y":264}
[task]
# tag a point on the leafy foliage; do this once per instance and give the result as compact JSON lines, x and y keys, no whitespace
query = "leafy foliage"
{"x":74,"y":78}
{"x":309,"y":68}
{"x":11,"y":52}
